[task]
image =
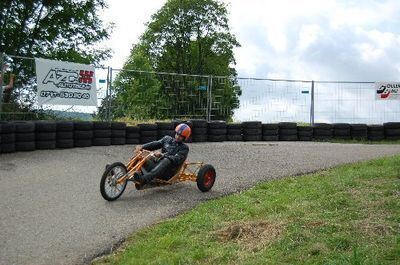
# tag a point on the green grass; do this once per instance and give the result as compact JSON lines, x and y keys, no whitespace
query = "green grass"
{"x":346,"y":215}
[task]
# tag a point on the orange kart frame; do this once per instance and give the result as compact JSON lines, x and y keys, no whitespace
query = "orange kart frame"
{"x":137,"y":161}
{"x":115,"y":177}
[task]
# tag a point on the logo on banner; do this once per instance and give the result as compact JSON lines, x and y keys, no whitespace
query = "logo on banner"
{"x":388,"y":90}
{"x":78,"y":79}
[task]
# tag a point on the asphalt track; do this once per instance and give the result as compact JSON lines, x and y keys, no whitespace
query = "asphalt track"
{"x":52,"y":212}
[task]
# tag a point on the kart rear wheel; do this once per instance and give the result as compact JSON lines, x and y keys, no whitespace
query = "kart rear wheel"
{"x":109,"y":189}
{"x":206,"y":178}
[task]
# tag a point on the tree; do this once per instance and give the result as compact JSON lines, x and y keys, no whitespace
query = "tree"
{"x":63,"y":29}
{"x":185,"y":37}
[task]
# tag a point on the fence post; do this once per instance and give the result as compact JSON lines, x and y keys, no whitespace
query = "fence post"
{"x":209,"y":97}
{"x":110,"y":95}
{"x":1,"y":83}
{"x":312,"y":104}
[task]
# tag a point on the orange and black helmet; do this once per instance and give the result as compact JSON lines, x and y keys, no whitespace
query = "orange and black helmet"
{"x":183,"y":130}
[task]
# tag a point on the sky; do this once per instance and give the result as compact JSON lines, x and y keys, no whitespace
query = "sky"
{"x":353,"y":40}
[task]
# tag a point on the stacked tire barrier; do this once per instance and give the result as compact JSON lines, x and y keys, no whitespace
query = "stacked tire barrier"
{"x":376,"y":133}
{"x":148,"y":132}
{"x":392,"y":130}
{"x":359,"y":131}
{"x":323,"y":131}
{"x":234,"y":132}
{"x":288,"y":131}
{"x":165,"y":128}
{"x":199,"y":130}
{"x":25,"y":136}
{"x":270,"y":132}
{"x":118,"y":133}
{"x":83,"y":133}
{"x":252,"y":131}
{"x":7,"y":137}
{"x":64,"y":134}
{"x":101,"y":133}
{"x":216,"y":131}
{"x":341,"y":131}
{"x":46,"y":135}
{"x":132,"y":135}
{"x":305,"y":133}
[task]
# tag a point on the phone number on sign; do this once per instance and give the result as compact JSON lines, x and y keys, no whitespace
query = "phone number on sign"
{"x":53,"y":94}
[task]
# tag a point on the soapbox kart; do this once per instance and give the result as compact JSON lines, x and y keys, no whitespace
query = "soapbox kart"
{"x":115,"y":177}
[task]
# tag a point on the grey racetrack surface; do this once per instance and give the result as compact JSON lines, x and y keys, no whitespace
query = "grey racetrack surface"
{"x":52,"y":211}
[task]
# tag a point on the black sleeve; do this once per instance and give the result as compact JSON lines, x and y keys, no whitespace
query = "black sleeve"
{"x":153,"y":145}
{"x":179,"y":157}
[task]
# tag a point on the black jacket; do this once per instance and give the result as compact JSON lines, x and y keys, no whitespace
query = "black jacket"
{"x":175,"y":151}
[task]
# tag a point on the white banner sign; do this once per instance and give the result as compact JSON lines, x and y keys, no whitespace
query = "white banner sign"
{"x":387,"y":91}
{"x":63,"y":83}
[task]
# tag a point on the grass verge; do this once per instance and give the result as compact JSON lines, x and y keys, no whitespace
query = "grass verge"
{"x":345,"y":215}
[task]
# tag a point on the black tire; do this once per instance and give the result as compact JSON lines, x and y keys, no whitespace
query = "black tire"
{"x":7,"y":138}
{"x":7,"y":148}
{"x":392,"y":132}
{"x":107,"y":179}
{"x":388,"y":137}
{"x":252,"y":125}
{"x":324,"y":126}
{"x":206,"y":178}
{"x":323,"y":132}
{"x":25,"y":146}
{"x":288,"y":131}
{"x":234,"y":132}
{"x":304,"y":128}
{"x":45,"y":126}
{"x":65,"y":126}
{"x":372,"y":128}
{"x":101,"y":141}
{"x":343,"y":137}
{"x":234,"y":126}
{"x":83,"y":142}
{"x":287,"y":125}
{"x":101,"y":125}
{"x":199,"y":138}
{"x":322,"y":138}
{"x":305,"y":138}
{"x":101,"y":133}
{"x":271,"y":132}
{"x":46,"y":145}
{"x":217,"y":125}
{"x":65,"y":135}
{"x":234,"y":137}
{"x":162,"y":133}
{"x":132,"y":135}
{"x":152,"y":133}
{"x":118,"y":125}
{"x":270,"y":138}
{"x":147,"y":139}
{"x":148,"y":127}
{"x":24,"y":127}
{"x":288,"y":137}
{"x":7,"y":127}
{"x":376,"y":133}
{"x":391,"y":125}
{"x":217,"y":131}
{"x":341,"y":132}
{"x":216,"y":138}
{"x":305,"y":133}
{"x":376,"y":138}
{"x":359,"y":127}
{"x":46,"y":136}
{"x":118,"y":133}
{"x":252,"y":131}
{"x":83,"y":125}
{"x":341,"y":126}
{"x":199,"y":123}
{"x":83,"y":135}
{"x":65,"y":143}
{"x":132,"y":129}
{"x":25,"y":137}
{"x":270,"y":126}
{"x":165,"y":126}
{"x":252,"y":137}
{"x":118,"y":141}
{"x":199,"y":130}
{"x":132,"y":141}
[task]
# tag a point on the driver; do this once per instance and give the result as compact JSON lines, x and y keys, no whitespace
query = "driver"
{"x":173,"y":153}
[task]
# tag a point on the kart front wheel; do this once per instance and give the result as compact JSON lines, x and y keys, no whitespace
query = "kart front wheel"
{"x":109,"y":188}
{"x":206,"y":178}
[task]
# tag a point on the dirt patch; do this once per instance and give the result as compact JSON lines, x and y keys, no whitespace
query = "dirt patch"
{"x":251,"y":235}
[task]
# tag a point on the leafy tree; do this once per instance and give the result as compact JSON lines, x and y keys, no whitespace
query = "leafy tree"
{"x":186,"y":37}
{"x":62,"y":29}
